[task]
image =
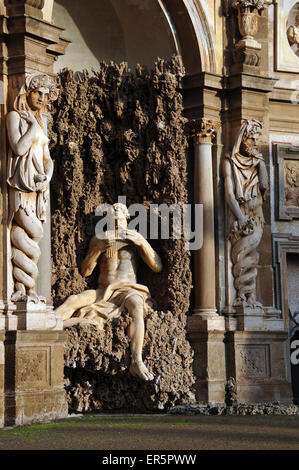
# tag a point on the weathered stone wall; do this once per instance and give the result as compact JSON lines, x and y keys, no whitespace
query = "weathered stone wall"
{"x":121,"y":133}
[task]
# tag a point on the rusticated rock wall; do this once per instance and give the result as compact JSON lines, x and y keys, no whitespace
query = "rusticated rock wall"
{"x":121,"y":133}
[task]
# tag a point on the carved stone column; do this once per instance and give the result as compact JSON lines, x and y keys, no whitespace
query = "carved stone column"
{"x":205,"y":326}
{"x":204,"y":258}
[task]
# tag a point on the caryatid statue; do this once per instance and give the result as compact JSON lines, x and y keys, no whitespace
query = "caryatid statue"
{"x":117,"y":289}
{"x":29,"y":172}
{"x":246,"y":181}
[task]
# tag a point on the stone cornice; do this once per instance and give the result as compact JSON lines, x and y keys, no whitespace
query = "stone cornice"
{"x":33,"y":3}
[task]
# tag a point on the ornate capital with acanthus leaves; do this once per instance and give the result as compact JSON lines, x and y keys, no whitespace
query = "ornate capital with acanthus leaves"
{"x":258,"y":4}
{"x":203,"y":130}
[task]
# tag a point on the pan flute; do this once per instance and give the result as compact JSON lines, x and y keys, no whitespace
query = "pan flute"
{"x":118,"y":243}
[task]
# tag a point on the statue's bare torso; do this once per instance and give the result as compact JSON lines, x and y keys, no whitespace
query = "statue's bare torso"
{"x":121,"y":267}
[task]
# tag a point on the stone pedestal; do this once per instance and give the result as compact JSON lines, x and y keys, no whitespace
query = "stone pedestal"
{"x":256,"y":358}
{"x":34,"y":390}
{"x":247,"y":57}
{"x":30,"y":316}
{"x":207,"y":339}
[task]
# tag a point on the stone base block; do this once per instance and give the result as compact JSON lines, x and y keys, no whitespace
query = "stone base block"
{"x":34,"y":364}
{"x":34,"y":407}
{"x":30,"y":316}
{"x":207,"y":340}
{"x":244,"y":318}
{"x":2,"y":362}
{"x":256,"y":360}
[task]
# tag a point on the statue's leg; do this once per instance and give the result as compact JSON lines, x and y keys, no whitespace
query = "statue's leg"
{"x":135,"y":307}
{"x":30,"y":223}
{"x":245,"y":260}
{"x":26,"y":234}
{"x":74,"y":302}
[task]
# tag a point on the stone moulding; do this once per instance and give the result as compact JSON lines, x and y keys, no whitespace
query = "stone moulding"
{"x":34,"y":3}
{"x":285,"y":156}
{"x":247,"y":56}
{"x":286,"y":59}
{"x":282,"y":244}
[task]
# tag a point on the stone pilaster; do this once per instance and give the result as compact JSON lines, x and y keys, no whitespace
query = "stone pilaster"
{"x":28,"y":45}
{"x":257,"y":339}
{"x":32,"y":351}
{"x":249,"y":99}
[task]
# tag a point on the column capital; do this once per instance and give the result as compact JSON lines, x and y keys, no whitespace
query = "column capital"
{"x":203,"y":130}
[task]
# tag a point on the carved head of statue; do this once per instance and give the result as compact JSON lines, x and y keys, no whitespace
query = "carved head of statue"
{"x":249,"y":143}
{"x":121,"y":215}
{"x":247,"y":140}
{"x":38,"y":91}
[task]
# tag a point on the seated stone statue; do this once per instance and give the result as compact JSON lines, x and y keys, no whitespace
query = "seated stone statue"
{"x":117,"y":285}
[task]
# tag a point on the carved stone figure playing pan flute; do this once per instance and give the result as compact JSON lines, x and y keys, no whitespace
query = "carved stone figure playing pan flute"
{"x":117,"y":285}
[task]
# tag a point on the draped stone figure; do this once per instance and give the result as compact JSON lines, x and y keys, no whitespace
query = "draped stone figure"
{"x":29,"y":172}
{"x":246,"y":181}
{"x":117,"y":254}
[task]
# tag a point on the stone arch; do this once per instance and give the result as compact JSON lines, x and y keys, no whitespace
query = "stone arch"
{"x":194,"y":33}
{"x":191,"y":28}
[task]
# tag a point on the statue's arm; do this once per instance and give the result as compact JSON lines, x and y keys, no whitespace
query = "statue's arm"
{"x":263,"y":177}
{"x":19,"y":144}
{"x":90,"y":261}
{"x":48,"y":164}
{"x":149,"y":256}
{"x":230,"y":194}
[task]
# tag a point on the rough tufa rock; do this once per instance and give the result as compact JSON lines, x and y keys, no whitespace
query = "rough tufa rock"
{"x":240,"y":409}
{"x":114,"y":133}
{"x":97,"y":376}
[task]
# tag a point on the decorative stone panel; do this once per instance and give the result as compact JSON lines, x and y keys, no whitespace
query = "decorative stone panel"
{"x":253,"y":360}
{"x":34,"y":382}
{"x":286,"y":164}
